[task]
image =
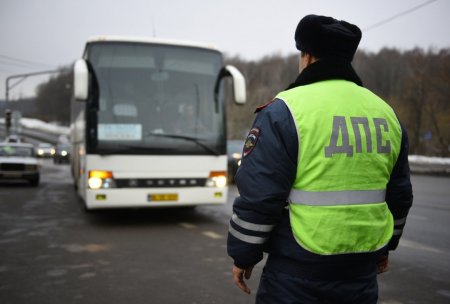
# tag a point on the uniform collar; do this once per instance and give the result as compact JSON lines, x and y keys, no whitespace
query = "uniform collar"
{"x":326,"y":69}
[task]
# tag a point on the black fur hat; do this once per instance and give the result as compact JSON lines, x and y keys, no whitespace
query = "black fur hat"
{"x":327,"y":37}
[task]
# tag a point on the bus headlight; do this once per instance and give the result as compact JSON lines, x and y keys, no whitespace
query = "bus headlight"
{"x":101,"y":180}
{"x":217,"y":179}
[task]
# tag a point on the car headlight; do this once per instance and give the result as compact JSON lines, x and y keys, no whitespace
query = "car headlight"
{"x":63,"y":152}
{"x":40,"y":152}
{"x":101,"y":180}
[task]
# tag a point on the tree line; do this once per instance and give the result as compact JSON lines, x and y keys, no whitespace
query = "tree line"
{"x":416,"y":83}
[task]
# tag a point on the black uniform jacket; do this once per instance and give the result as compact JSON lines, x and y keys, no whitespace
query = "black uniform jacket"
{"x":261,"y":219}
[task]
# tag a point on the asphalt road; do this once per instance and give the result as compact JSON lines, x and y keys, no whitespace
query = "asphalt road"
{"x":54,"y":252}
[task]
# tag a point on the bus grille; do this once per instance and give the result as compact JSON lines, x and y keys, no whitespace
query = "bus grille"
{"x":160,"y":182}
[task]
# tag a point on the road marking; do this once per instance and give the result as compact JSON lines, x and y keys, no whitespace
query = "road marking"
{"x":212,"y":235}
{"x":81,"y":266}
{"x":445,"y":293}
{"x":417,"y":217}
{"x":56,"y":272}
{"x":93,"y":248}
{"x":87,"y":275}
{"x":415,"y":245}
{"x":187,"y":225}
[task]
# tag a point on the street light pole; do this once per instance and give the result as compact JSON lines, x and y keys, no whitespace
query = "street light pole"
{"x":23,"y":77}
{"x":8,"y":112}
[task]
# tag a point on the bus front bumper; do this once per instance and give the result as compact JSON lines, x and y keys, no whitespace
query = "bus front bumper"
{"x":155,"y":197}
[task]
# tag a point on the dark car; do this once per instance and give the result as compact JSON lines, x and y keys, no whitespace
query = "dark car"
{"x":234,"y":153}
{"x":62,"y":153}
{"x":45,"y":150}
{"x":13,"y":138}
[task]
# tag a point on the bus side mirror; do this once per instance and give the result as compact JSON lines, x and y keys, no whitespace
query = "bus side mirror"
{"x":81,"y":80}
{"x":238,"y":79}
{"x":239,"y":90}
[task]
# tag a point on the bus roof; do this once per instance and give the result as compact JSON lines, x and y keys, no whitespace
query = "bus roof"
{"x":113,"y":38}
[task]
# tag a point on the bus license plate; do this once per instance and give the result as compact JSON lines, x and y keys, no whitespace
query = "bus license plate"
{"x":163,"y":197}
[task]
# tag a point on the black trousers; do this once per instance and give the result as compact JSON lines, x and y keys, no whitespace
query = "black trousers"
{"x":281,"y":288}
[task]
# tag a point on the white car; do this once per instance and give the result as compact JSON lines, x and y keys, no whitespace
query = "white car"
{"x":18,"y":162}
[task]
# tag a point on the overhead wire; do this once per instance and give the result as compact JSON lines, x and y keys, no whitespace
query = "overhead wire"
{"x":18,"y":65}
{"x":380,"y":23}
{"x":21,"y":62}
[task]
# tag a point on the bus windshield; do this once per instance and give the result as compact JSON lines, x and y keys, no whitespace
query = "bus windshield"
{"x":155,"y":98}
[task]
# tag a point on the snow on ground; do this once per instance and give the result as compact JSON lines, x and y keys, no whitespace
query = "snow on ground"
{"x":429,"y":160}
{"x":32,"y":123}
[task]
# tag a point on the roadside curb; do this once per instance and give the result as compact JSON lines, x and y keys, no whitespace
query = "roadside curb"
{"x":429,"y":165}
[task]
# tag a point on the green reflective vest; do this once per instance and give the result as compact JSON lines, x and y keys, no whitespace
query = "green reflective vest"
{"x":349,"y":140}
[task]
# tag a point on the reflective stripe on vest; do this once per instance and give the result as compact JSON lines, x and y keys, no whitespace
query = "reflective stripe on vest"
{"x":349,"y":140}
{"x":335,"y":198}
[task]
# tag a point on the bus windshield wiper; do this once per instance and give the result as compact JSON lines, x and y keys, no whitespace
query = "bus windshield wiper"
{"x":189,"y":138}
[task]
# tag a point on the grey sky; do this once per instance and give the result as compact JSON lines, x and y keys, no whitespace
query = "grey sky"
{"x":52,"y":33}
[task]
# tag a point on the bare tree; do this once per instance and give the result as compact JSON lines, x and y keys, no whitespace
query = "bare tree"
{"x":53,"y":97}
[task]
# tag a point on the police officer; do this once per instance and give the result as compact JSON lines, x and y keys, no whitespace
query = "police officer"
{"x":324,"y":182}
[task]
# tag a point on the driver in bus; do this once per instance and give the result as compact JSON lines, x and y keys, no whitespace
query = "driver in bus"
{"x":187,"y":121}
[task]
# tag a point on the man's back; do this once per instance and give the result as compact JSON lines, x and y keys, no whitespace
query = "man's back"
{"x":336,"y":156}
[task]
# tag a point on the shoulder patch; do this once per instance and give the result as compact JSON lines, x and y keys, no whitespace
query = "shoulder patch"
{"x":250,"y":141}
{"x":264,"y":105}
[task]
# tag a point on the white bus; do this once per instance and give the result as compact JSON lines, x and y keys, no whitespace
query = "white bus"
{"x":148,"y":123}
